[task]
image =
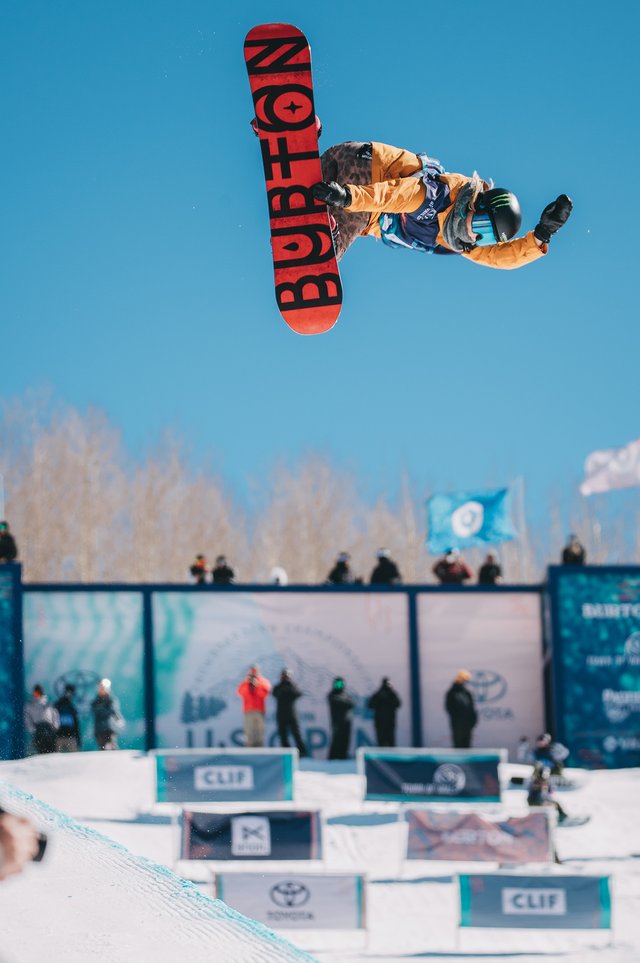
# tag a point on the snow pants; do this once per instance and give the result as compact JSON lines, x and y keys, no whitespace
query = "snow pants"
{"x":289,"y":724}
{"x":348,"y":163}
{"x":254,"y":729}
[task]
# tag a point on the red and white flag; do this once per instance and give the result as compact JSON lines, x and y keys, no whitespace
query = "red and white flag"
{"x":612,"y":468}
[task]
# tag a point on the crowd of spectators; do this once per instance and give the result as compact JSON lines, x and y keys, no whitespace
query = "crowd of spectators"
{"x":55,"y":727}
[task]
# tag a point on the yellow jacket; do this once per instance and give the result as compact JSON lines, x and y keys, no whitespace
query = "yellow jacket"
{"x":395,"y":191}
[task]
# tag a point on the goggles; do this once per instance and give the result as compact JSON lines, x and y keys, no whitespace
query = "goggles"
{"x":481,"y":225}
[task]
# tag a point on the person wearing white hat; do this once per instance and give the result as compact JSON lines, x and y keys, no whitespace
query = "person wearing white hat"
{"x":107,"y":718}
{"x":386,"y":571}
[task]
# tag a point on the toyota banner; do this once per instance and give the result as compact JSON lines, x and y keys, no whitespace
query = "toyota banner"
{"x":287,"y":901}
{"x":219,"y":775}
{"x":264,"y":835}
{"x":596,"y":663}
{"x":471,"y":837}
{"x":417,"y":775}
{"x":535,"y":902}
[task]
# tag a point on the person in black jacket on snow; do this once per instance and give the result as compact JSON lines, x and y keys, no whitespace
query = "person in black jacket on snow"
{"x":385,"y":703}
{"x":68,"y":736}
{"x":386,"y":571}
{"x":286,"y":693}
{"x":462,"y":711}
{"x":341,"y":707}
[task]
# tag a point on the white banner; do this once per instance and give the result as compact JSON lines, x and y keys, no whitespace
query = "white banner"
{"x":206,"y":643}
{"x":293,"y":901}
{"x":496,"y":636}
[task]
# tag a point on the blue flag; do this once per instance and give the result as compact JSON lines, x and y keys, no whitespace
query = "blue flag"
{"x":465,"y":519}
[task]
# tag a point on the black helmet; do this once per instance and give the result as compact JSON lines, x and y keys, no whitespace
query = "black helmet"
{"x":503,"y":211}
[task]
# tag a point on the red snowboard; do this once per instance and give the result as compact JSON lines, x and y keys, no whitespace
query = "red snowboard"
{"x":308,"y":289}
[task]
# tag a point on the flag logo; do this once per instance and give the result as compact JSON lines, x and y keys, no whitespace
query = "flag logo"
{"x":468,"y":519}
{"x":465,"y":519}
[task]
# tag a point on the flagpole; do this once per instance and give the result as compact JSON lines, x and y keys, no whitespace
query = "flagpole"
{"x":1,"y":497}
{"x":521,"y":523}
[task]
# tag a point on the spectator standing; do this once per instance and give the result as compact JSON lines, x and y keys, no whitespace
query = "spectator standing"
{"x":107,"y":718}
{"x":452,"y":569}
{"x":490,"y":572}
{"x":551,"y":754}
{"x":222,"y":574}
{"x":385,"y":703}
{"x":461,"y":709}
{"x":341,"y":573}
{"x":341,"y":707}
{"x":8,"y":547}
{"x":198,"y":570}
{"x":68,"y":738}
{"x":254,"y":691}
{"x":574,"y":552}
{"x":41,"y":722}
{"x":286,"y":693}
{"x":386,"y":571}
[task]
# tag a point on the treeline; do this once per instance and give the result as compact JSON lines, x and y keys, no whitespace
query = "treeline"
{"x":83,"y":510}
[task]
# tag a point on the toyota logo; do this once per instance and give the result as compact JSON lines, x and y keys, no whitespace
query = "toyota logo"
{"x":487,"y":685}
{"x":289,"y":893}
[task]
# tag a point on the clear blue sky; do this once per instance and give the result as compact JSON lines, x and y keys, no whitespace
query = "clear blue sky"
{"x":135,"y":262}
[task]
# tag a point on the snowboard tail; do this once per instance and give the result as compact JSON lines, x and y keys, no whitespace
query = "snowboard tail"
{"x":307,"y":280}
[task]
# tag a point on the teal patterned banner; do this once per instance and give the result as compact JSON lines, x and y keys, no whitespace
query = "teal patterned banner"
{"x":80,"y":637}
{"x":596,"y":649}
{"x":10,"y":658}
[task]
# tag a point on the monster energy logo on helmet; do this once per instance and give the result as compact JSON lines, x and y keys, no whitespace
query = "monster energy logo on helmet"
{"x":497,"y":216}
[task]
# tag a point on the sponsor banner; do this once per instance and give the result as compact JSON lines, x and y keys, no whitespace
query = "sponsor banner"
{"x":448,"y":776}
{"x":81,"y":637}
{"x":497,"y":636}
{"x":596,"y":663}
{"x":205,"y":643}
{"x":10,"y":708}
{"x":471,"y":837}
{"x":535,"y":902}
{"x":294,"y":901}
{"x":219,"y":775}
{"x":283,"y":834}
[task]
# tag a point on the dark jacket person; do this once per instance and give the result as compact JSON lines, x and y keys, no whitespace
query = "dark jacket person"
{"x":341,"y":707}
{"x":385,"y":703}
{"x":462,"y":711}
{"x":286,"y":693}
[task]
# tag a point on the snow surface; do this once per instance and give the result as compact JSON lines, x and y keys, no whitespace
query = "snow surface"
{"x":106,"y":891}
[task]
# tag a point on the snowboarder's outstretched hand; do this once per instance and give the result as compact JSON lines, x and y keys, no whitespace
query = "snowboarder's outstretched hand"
{"x":332,"y":193}
{"x":553,"y":217}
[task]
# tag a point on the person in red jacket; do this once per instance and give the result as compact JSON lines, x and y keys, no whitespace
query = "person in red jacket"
{"x":410,"y":201}
{"x":254,"y":691}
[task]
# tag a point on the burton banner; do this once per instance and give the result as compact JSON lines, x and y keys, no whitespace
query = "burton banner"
{"x":269,"y":835}
{"x":80,"y":637}
{"x":205,"y":644}
{"x":551,"y":902}
{"x":11,"y":681}
{"x":422,"y":775}
{"x":497,"y":636}
{"x":595,"y":618}
{"x":286,"y":901}
{"x":470,"y":837}
{"x":219,"y":775}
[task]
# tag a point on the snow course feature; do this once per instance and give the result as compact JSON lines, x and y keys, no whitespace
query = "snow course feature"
{"x":133,"y":909}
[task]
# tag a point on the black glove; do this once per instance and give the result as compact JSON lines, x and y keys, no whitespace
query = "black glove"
{"x":553,"y":217}
{"x":332,"y":193}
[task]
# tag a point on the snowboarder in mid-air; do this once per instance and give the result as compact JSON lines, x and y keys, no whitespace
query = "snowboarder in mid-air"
{"x":410,"y":201}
